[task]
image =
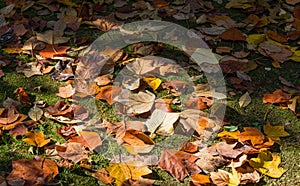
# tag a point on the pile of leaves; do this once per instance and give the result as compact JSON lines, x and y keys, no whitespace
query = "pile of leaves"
{"x":152,"y":103}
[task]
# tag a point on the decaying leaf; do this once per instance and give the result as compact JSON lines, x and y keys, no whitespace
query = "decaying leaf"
{"x":66,"y":92}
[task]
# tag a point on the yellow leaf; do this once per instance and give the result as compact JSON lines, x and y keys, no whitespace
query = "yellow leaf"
{"x":234,"y":177}
{"x":296,"y":56}
{"x":13,"y":50}
{"x":36,"y":139}
{"x":229,"y":135}
{"x":274,"y":132}
{"x":255,"y":39}
{"x":238,"y":4}
{"x":68,"y":3}
{"x":267,"y":163}
{"x":125,"y":171}
{"x":153,"y":82}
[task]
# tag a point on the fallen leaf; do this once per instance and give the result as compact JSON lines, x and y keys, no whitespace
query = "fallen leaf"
{"x":238,"y":4}
{"x":227,"y":150}
{"x":38,"y":171}
{"x":245,"y":100}
{"x":103,"y":176}
{"x":220,"y":178}
{"x":53,"y":50}
{"x":72,"y":151}
{"x":233,"y":34}
{"x":30,"y":69}
{"x":137,"y":142}
{"x":153,"y":82}
{"x":136,"y":103}
{"x":108,"y":93}
{"x":292,"y":2}
{"x":277,"y":96}
{"x":179,"y":164}
{"x":252,"y":134}
{"x":161,"y":122}
{"x":66,"y":92}
{"x":267,"y":163}
{"x":50,"y":38}
{"x":274,"y":132}
{"x":131,"y":170}
{"x":104,"y":80}
{"x":199,"y":179}
{"x":9,"y":118}
{"x":91,"y":140}
{"x":23,"y":96}
{"x":36,"y":139}
{"x":35,"y":113}
{"x":276,"y":36}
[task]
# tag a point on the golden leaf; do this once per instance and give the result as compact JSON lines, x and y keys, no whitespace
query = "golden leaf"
{"x":267,"y":163}
{"x":36,"y":139}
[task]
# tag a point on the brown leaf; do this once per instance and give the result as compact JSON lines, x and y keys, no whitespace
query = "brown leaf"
{"x":276,"y":36}
{"x":38,"y":171}
{"x":179,"y":164}
{"x":71,"y":151}
{"x":209,"y":159}
{"x":277,"y":96}
{"x":23,"y":96}
{"x":104,"y":80}
{"x":103,"y":176}
{"x":9,"y":118}
{"x":107,"y":23}
{"x":227,"y":150}
{"x":66,"y":92}
{"x":159,"y":3}
{"x":233,"y":34}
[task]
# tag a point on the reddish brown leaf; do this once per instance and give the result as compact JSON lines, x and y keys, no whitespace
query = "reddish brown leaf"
{"x":195,"y":103}
{"x":179,"y":164}
{"x":103,"y":176}
{"x":38,"y":171}
{"x":276,"y":36}
{"x":233,"y":34}
{"x":71,"y":151}
{"x":23,"y":96}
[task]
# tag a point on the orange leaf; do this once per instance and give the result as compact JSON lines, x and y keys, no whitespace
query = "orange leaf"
{"x":200,"y":179}
{"x":53,"y":50}
{"x":36,"y":139}
{"x":108,"y":93}
{"x":233,"y":34}
{"x":277,"y":96}
{"x":159,"y":3}
{"x":253,"y":134}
